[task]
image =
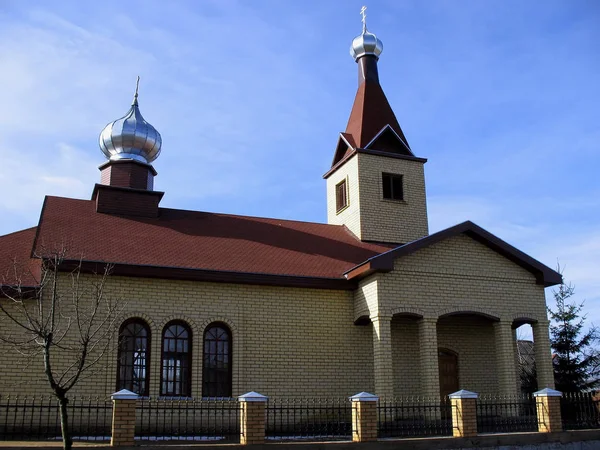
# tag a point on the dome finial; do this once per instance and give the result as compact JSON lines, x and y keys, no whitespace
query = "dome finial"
{"x":137,"y":87}
{"x":366,"y":43}
{"x":131,"y":137}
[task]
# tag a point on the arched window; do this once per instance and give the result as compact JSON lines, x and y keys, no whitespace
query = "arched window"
{"x":133,"y":360}
{"x":176,"y":364}
{"x":216,"y":373}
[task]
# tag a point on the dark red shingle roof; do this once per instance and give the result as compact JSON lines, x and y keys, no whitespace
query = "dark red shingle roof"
{"x":201,"y":240}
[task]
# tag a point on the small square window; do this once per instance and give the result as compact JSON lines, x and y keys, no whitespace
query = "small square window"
{"x":392,"y":186}
{"x":341,"y":195}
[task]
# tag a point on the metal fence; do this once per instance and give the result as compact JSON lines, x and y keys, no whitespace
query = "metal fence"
{"x":415,"y":417}
{"x":201,"y":420}
{"x":580,"y":410}
{"x":38,"y":418}
{"x":308,"y":419}
{"x":506,"y":414}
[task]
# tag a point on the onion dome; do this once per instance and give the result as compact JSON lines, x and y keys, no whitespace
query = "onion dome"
{"x":366,"y":43}
{"x":131,"y":137}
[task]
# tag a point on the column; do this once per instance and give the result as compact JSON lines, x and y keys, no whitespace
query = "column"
{"x":252,"y":418}
{"x":505,"y":358}
{"x":428,"y":358}
{"x":382,"y":356}
{"x":548,"y":410}
{"x":464,"y":413}
{"x":543,"y":355}
{"x":123,"y":419}
{"x":364,"y":417}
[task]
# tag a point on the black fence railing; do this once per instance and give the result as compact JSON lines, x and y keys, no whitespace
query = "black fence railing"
{"x":200,"y":420}
{"x":580,"y":410}
{"x":414,"y":417}
{"x":290,"y":419}
{"x":506,"y":414}
{"x":38,"y":418}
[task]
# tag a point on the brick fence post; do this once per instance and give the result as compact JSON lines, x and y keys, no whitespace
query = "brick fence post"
{"x":464,"y":413}
{"x":364,"y":417}
{"x":548,"y":410}
{"x":252,"y":418}
{"x":123,"y":418}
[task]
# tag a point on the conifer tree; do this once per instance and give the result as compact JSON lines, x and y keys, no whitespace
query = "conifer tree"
{"x":575,"y":358}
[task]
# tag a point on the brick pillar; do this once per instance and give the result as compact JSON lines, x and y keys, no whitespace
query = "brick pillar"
{"x":364,"y":417}
{"x":543,"y":355}
{"x":382,"y":356}
{"x":464,"y":413}
{"x":505,"y":358}
{"x":548,"y":410}
{"x":252,"y":418}
{"x":428,"y":358}
{"x":123,"y":419}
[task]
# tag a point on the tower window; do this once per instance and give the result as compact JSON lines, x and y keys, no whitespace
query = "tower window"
{"x":392,"y":186}
{"x":341,"y":195}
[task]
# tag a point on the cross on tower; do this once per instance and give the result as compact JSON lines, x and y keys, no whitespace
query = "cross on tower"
{"x":363,"y":13}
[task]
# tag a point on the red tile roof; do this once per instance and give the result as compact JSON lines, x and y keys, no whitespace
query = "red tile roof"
{"x":201,"y":240}
{"x":16,"y":264}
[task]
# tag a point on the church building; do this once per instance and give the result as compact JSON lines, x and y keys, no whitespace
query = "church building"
{"x":217,"y":305}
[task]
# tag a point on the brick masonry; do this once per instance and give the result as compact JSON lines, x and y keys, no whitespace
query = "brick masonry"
{"x":123,"y":423}
{"x":289,"y":341}
{"x":371,"y":217}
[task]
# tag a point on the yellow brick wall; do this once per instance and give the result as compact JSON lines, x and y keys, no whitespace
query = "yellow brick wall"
{"x":472,"y":338}
{"x":286,"y":341}
{"x":405,"y":349}
{"x":389,"y":220}
{"x":455,"y":275}
{"x":369,"y":216}
{"x":460,"y":274}
{"x":350,"y":216}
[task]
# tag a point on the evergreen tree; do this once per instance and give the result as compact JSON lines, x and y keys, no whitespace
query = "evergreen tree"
{"x":575,"y":358}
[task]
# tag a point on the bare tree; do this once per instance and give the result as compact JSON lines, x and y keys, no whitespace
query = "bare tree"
{"x":67,"y":321}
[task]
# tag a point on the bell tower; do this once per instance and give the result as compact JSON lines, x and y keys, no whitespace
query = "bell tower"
{"x":376,"y":185}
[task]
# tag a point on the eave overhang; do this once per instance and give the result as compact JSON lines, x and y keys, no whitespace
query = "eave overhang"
{"x":384,"y":262}
{"x":367,"y":151}
{"x":216,"y":276}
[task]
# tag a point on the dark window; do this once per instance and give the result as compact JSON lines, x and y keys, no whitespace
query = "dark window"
{"x":216,"y":374}
{"x":392,"y":186}
{"x":175,"y":372}
{"x":133,"y":356}
{"x":341,"y":196}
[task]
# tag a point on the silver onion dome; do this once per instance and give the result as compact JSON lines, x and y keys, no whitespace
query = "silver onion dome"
{"x":131,"y":137}
{"x":366,"y":43}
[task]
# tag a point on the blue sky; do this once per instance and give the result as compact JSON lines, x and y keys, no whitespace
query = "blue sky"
{"x":502,"y":97}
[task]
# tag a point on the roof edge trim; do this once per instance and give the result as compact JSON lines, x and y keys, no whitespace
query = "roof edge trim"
{"x":217,"y":276}
{"x":384,"y":262}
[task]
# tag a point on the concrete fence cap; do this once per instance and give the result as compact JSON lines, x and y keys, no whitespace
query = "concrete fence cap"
{"x":463,"y":393}
{"x":124,"y":394}
{"x":547,"y":392}
{"x":364,"y":397}
{"x":253,"y":397}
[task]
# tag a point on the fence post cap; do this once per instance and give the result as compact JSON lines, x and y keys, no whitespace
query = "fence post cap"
{"x":463,"y":393}
{"x":364,"y":397}
{"x":547,"y":392}
{"x":124,"y":394}
{"x":253,"y":397}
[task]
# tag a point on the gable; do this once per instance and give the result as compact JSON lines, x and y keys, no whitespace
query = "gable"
{"x":387,"y":140}
{"x":385,"y":261}
{"x":462,"y":256}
